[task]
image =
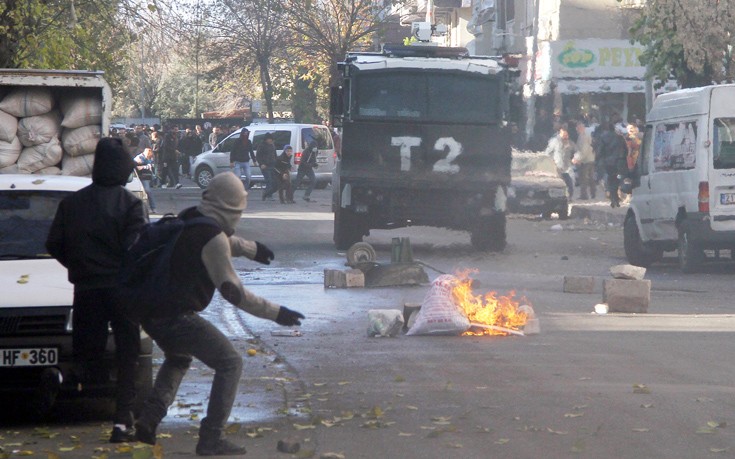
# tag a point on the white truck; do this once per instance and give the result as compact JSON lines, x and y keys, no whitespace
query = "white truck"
{"x":38,"y":167}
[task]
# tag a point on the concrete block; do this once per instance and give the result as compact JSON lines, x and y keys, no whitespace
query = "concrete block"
{"x":354,"y":278}
{"x":628,"y":272}
{"x":334,"y":278}
{"x":579,"y":284}
{"x":623,"y":295}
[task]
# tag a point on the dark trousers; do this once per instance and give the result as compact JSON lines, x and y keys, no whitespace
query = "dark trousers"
{"x":569,"y":182}
{"x":587,"y":185}
{"x":172,"y":173}
{"x":271,"y":181}
{"x":181,"y":338}
{"x":300,"y":174}
{"x":93,"y":311}
{"x":613,"y":184}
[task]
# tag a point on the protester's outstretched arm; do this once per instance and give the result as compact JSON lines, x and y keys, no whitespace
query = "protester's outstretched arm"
{"x":253,"y":250}
{"x":217,"y":260}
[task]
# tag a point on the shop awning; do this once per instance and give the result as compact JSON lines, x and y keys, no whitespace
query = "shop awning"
{"x":579,"y":86}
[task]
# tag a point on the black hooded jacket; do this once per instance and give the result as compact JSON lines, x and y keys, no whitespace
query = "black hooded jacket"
{"x":93,"y":227}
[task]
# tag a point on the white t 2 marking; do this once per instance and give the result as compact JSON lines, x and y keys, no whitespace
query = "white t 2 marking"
{"x":455,"y":149}
{"x":405,"y":143}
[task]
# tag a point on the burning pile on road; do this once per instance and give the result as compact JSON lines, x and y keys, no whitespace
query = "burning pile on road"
{"x":452,"y":308}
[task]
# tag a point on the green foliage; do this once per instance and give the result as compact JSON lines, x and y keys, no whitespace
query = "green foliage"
{"x":690,"y":42}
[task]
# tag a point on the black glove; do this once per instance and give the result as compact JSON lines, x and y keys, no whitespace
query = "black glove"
{"x":288,"y":317}
{"x":263,"y":254}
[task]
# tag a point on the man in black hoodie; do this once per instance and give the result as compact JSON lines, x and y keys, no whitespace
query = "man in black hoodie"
{"x":89,"y":235}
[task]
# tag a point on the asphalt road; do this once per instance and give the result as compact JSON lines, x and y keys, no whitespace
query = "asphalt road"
{"x":654,"y":385}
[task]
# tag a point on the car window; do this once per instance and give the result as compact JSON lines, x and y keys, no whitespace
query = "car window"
{"x":226,"y":145}
{"x":25,"y":220}
{"x":321,"y":135}
{"x":280,"y":138}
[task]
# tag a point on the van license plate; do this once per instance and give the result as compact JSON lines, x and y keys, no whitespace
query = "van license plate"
{"x":727,"y":198}
{"x":30,"y":357}
{"x":321,"y":160}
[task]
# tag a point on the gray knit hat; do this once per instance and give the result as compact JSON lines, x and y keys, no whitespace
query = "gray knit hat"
{"x":224,"y":200}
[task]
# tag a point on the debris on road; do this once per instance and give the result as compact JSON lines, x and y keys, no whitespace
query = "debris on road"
{"x":629,"y":272}
{"x":384,"y":322}
{"x":286,"y":333}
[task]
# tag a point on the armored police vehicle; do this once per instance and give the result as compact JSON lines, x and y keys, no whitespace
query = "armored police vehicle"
{"x":424,"y":143}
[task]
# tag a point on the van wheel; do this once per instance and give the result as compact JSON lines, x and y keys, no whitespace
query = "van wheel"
{"x":203,"y":176}
{"x":347,"y":228}
{"x":636,"y":251}
{"x":690,"y":255}
{"x":489,"y":234}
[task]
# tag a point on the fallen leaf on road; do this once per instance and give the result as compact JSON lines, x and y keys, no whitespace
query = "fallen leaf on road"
{"x":641,"y":429}
{"x":344,"y":383}
{"x":405,"y":434}
{"x":647,"y":405}
{"x":304,"y":426}
{"x":455,"y":445}
{"x":719,"y":450}
{"x":715,"y":424}
{"x":399,"y":378}
{"x":705,"y":430}
{"x":52,"y":455}
{"x":556,"y":432}
{"x":233,"y":428}
{"x":641,"y":389}
{"x":411,"y":407}
{"x":573,"y":415}
{"x":501,"y":441}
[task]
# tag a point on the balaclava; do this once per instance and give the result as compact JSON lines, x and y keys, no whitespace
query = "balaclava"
{"x":224,"y":200}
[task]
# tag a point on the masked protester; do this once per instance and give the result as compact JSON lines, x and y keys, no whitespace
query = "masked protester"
{"x":201,"y":262}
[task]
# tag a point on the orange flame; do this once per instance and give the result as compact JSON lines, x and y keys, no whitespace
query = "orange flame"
{"x":488,"y":309}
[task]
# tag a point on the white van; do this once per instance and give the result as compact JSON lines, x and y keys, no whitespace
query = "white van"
{"x":212,"y":162}
{"x":685,"y":197}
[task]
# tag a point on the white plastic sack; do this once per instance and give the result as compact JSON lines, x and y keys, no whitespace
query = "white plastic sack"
{"x":36,"y":130}
{"x":51,"y":170}
{"x":8,"y":126}
{"x":38,"y":157}
{"x":10,"y":170}
{"x":81,"y":111}
{"x":384,"y":322}
{"x":28,"y":101}
{"x":77,"y":165}
{"x":9,"y":152}
{"x":439,"y":314}
{"x":80,"y":141}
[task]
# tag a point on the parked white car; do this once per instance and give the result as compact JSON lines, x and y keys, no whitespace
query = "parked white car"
{"x":215,"y":161}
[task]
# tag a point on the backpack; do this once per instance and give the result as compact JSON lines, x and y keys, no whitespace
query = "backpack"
{"x":145,"y":276}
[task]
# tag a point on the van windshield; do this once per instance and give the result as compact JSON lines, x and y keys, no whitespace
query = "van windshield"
{"x":25,"y":220}
{"x":723,"y":151}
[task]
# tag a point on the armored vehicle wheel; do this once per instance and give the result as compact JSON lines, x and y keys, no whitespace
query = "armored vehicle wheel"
{"x":636,"y":251}
{"x":347,"y":230}
{"x":489,"y":234}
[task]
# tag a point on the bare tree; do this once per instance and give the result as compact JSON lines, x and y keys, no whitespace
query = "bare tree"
{"x":253,"y":32}
{"x":331,"y":28}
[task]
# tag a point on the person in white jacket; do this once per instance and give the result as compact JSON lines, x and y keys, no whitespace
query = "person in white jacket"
{"x":562,"y":150}
{"x":584,"y":160}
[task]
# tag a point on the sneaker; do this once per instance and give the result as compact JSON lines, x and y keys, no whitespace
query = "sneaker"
{"x":178,"y":185}
{"x":220,"y":447}
{"x":145,"y":434}
{"x":122,"y":436}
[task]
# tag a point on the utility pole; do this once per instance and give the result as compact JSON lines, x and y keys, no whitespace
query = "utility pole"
{"x":531,"y":105}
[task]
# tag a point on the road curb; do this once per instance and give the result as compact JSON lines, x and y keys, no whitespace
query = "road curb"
{"x":599,"y":214}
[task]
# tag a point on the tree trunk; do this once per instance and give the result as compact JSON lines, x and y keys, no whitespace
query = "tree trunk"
{"x":265,"y":83}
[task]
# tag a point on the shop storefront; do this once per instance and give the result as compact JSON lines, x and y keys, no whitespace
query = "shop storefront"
{"x":590,"y":78}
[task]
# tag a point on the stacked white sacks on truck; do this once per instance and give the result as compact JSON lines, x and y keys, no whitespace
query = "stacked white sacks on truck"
{"x":41,"y":133}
